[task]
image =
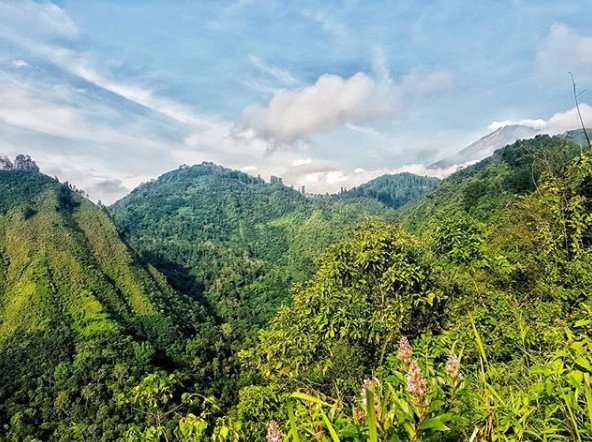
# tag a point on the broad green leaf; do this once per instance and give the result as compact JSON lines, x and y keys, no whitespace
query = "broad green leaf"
{"x":433,"y":423}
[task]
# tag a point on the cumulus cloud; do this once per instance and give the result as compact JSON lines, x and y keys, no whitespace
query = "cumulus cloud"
{"x":333,"y":101}
{"x":564,"y":49}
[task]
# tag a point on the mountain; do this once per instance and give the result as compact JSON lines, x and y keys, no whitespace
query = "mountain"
{"x":480,"y":190}
{"x":80,"y":315}
{"x":393,"y":191}
{"x":486,"y":146}
{"x":578,"y":136}
{"x":275,"y":306}
{"x":232,"y":239}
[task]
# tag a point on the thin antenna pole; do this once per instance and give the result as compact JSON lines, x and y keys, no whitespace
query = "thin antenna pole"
{"x":575,"y":92}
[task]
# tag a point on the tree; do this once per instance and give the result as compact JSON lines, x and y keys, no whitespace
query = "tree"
{"x":368,"y":290}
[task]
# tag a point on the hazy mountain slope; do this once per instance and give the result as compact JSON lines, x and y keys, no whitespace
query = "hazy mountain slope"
{"x":233,"y":238}
{"x":479,"y":190}
{"x":393,"y":190}
{"x":487,"y":145}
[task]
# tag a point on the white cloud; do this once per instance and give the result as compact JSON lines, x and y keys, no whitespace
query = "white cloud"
{"x":333,"y":101}
{"x":91,"y":137}
{"x":564,"y":49}
{"x":558,"y":123}
{"x":564,"y":121}
{"x":86,"y":67}
{"x":322,"y":177}
{"x":537,"y":124}
{"x":363,"y":129}
{"x":301,"y":162}
{"x":43,"y":106}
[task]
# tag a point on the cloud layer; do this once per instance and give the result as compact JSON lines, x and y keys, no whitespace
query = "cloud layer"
{"x":110,"y":94}
{"x":558,"y":123}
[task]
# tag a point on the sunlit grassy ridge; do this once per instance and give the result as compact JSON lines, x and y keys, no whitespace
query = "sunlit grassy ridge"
{"x":68,"y":283}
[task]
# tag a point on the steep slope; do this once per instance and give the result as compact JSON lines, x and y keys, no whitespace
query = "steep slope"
{"x":75,"y":300}
{"x":487,"y":145}
{"x":233,"y":238}
{"x":479,"y":190}
{"x":393,"y":191}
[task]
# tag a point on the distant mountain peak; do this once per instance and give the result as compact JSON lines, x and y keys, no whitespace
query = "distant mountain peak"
{"x":487,"y":145}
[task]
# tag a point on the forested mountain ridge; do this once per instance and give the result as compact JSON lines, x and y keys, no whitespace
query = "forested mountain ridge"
{"x":81,"y":318}
{"x":481,"y":189}
{"x":395,"y":190}
{"x":232,"y":238}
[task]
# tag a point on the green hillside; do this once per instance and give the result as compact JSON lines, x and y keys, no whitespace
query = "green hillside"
{"x":477,"y":328}
{"x":232,"y":238}
{"x":80,"y":315}
{"x":480,"y":190}
{"x":393,"y":190}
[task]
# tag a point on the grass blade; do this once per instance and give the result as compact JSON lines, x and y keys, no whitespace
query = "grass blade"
{"x":332,"y":432}
{"x":372,"y":432}
{"x":479,"y":341}
{"x":293,"y":426}
{"x":309,"y":398}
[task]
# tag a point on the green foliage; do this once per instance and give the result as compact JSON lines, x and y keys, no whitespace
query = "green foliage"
{"x":481,"y":190}
{"x":369,"y":288}
{"x":393,"y":190}
{"x":80,"y":317}
{"x":18,"y":187}
{"x":231,"y":240}
{"x":460,"y":240}
{"x":460,"y":403}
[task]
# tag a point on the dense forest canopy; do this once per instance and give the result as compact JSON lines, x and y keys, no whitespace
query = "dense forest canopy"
{"x":232,"y":240}
{"x":210,"y":305}
{"x":394,"y":190}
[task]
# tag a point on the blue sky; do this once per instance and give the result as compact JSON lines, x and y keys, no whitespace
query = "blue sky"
{"x":108,"y":94}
